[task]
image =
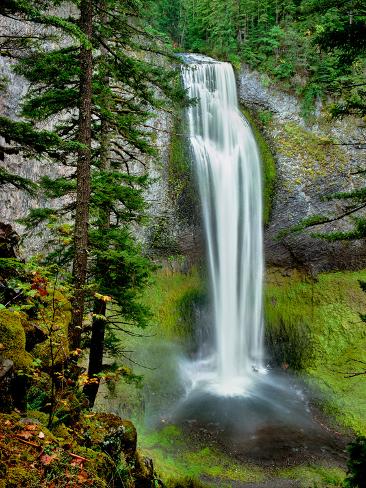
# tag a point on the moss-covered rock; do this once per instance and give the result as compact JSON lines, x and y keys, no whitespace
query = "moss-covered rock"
{"x":12,"y":338}
{"x":318,"y":325}
{"x":269,"y":172}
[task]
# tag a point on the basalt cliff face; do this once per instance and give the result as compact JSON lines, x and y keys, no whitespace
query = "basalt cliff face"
{"x":174,"y":227}
{"x":310,"y":159}
{"x":314,"y":158}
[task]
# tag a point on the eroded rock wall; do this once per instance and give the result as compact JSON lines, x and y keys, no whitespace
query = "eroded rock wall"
{"x":311,"y":162}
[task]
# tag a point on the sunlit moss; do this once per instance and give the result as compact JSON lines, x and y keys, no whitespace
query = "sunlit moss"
{"x":329,"y":307}
{"x":171,"y":298}
{"x":313,"y":476}
{"x":176,"y":457}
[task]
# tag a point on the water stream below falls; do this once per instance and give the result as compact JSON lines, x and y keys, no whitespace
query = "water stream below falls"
{"x":228,"y":170}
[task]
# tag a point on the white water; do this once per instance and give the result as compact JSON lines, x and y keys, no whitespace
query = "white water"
{"x":229,"y":178}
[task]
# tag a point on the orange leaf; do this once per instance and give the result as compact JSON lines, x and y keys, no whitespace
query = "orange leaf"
{"x":82,"y":476}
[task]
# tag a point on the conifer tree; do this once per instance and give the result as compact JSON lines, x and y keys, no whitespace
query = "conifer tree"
{"x":105,"y":128}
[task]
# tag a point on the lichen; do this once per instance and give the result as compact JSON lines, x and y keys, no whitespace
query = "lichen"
{"x":315,"y":155}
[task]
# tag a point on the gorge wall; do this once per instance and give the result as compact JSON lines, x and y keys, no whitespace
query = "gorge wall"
{"x":310,"y":160}
{"x":313,"y":159}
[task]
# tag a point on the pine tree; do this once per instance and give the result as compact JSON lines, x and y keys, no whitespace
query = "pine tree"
{"x":106,"y":133}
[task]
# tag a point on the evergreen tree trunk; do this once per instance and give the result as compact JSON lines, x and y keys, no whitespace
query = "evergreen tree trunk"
{"x":96,"y":353}
{"x":83,"y":178}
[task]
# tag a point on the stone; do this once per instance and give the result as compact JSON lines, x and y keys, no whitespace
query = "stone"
{"x":309,"y":166}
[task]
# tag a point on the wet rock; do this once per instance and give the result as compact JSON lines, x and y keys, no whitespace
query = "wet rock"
{"x":309,"y":166}
{"x":33,"y":335}
{"x":7,"y":375}
{"x":8,"y":241}
{"x":121,"y":440}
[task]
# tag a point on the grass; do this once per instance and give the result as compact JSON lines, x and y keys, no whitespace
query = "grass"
{"x":328,"y":310}
{"x":269,"y":173}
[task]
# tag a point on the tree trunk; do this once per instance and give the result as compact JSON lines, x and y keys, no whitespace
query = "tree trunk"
{"x":96,"y":352}
{"x":95,"y":365}
{"x":83,"y":178}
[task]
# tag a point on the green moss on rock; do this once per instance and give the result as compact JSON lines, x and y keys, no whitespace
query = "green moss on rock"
{"x":12,"y":338}
{"x":313,"y":476}
{"x":318,"y":154}
{"x":269,"y":173}
{"x":171,"y":298}
{"x":328,"y":309}
{"x":181,"y":184}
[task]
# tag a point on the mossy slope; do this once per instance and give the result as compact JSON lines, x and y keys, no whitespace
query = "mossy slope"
{"x":321,"y":319}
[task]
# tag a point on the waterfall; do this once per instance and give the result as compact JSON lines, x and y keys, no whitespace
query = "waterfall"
{"x":228,"y":170}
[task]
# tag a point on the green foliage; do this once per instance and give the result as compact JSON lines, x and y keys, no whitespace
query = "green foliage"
{"x":313,"y":48}
{"x":356,"y":464}
{"x":19,"y":182}
{"x":326,"y":311}
{"x":128,"y":87}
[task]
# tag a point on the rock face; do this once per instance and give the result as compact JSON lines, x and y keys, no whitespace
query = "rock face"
{"x":309,"y":166}
{"x":169,"y":232}
{"x":311,"y":162}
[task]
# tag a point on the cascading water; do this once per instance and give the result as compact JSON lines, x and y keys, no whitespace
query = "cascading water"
{"x":229,"y":177}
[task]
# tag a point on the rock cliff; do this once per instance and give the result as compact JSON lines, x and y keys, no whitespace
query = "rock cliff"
{"x":313,"y":159}
{"x":311,"y":162}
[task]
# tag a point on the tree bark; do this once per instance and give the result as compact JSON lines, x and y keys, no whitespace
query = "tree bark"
{"x":96,"y":353}
{"x":83,"y":178}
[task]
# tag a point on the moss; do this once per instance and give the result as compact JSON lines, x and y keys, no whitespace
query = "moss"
{"x":171,"y":299}
{"x":315,"y":476}
{"x":99,"y":465}
{"x":177,"y":456}
{"x":12,"y":337}
{"x":268,"y":162}
{"x":329,"y":308}
{"x":186,"y":483}
{"x":22,"y":476}
{"x":181,"y":184}
{"x":318,"y":155}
